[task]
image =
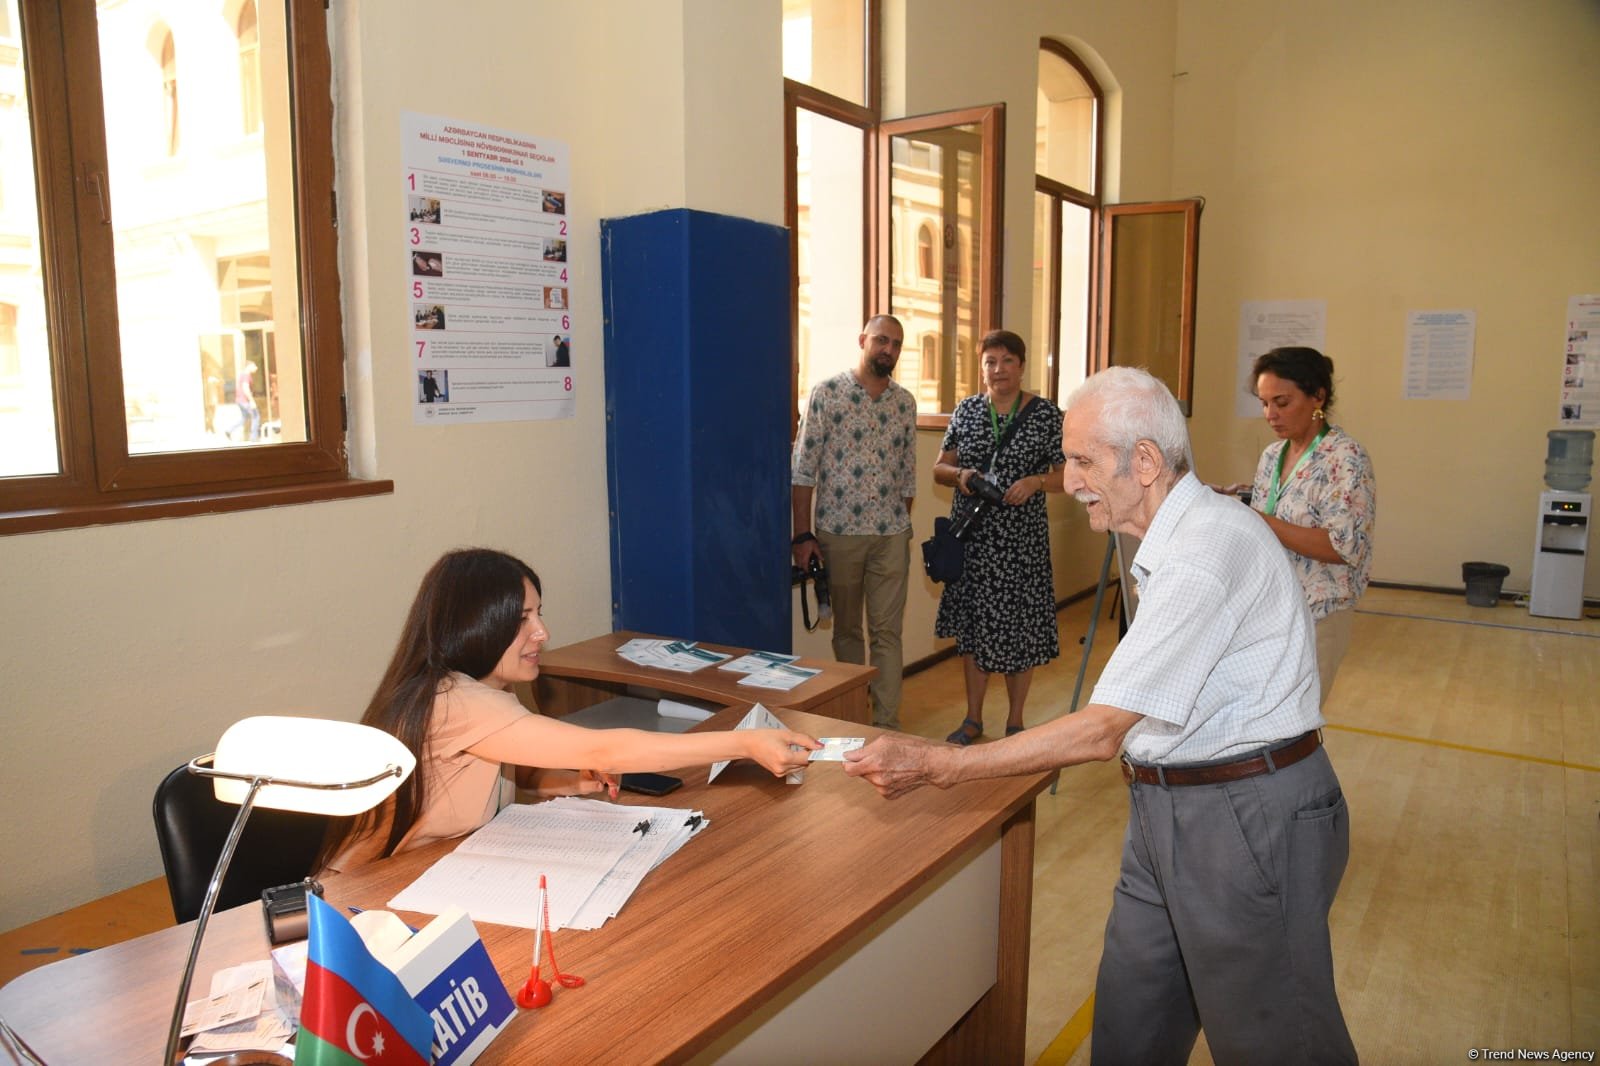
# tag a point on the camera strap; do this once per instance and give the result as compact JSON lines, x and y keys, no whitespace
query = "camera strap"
{"x":805,"y":609}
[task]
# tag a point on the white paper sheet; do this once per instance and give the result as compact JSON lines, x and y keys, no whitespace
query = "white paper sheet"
{"x":588,"y":850}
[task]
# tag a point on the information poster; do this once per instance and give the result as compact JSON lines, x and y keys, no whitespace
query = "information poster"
{"x":488,"y":272}
{"x":1580,"y":367}
{"x":1439,"y":347}
{"x":1268,"y":324}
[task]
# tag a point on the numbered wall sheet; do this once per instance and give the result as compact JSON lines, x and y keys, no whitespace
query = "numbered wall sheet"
{"x":488,"y":272}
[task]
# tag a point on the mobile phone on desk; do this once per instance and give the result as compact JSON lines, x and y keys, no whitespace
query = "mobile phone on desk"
{"x":650,"y":784}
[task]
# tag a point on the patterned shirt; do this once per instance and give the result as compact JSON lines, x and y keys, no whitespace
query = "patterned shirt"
{"x":1220,"y":659}
{"x":1335,"y":491}
{"x":860,"y":455}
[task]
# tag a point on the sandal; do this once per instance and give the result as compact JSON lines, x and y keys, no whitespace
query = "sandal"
{"x":1013,"y":730}
{"x":961,"y":736}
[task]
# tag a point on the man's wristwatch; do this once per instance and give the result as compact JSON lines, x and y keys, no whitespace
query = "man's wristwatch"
{"x":802,"y":538}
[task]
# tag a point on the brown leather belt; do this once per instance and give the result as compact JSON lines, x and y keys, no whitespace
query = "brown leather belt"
{"x":1264,"y":763}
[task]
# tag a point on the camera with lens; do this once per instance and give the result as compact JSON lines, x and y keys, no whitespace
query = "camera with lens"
{"x":985,"y":494}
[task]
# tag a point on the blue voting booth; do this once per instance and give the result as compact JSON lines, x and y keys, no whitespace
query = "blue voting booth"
{"x":697,"y":425}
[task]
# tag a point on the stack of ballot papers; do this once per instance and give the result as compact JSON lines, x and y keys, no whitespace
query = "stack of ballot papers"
{"x":592,"y":854}
{"x":684,"y":656}
{"x":770,"y":669}
{"x":252,"y":1007}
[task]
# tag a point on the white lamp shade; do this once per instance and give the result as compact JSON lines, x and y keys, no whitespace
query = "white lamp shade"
{"x":311,"y":750}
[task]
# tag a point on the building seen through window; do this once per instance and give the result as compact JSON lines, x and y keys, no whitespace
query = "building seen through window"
{"x":195,"y":227}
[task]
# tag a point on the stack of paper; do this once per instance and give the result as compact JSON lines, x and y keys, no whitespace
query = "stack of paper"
{"x":684,"y":656}
{"x":756,"y":662}
{"x":784,"y":676}
{"x":770,"y":669}
{"x":251,"y":1007}
{"x":592,"y":854}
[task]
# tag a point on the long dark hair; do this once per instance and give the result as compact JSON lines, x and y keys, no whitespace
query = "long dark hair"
{"x":466,"y":614}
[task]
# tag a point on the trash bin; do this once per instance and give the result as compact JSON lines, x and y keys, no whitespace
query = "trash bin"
{"x":1483,"y":582}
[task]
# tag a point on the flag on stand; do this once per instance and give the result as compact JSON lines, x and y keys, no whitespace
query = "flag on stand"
{"x":355,"y":1011}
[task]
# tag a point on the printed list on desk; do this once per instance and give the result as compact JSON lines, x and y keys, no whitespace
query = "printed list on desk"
{"x":593,"y":856}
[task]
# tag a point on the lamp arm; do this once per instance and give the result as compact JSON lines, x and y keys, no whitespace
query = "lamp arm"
{"x":205,"y":767}
{"x":202,"y":765}
{"x":206,"y":908}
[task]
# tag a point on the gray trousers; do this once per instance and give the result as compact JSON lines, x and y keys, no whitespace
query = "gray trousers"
{"x":1220,"y":921}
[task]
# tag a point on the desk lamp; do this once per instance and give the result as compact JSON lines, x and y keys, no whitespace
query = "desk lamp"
{"x":290,"y":764}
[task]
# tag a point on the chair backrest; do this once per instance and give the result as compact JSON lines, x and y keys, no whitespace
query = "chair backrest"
{"x":277,"y":848}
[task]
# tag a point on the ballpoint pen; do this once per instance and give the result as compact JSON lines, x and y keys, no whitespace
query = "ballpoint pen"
{"x":536,"y":993}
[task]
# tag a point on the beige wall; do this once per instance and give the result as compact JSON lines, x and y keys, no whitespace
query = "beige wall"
{"x":1393,"y":157}
{"x":129,"y":648}
{"x":1382,"y":157}
{"x":933,"y":65}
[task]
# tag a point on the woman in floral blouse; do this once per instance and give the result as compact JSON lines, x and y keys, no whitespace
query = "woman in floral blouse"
{"x":1315,"y":488}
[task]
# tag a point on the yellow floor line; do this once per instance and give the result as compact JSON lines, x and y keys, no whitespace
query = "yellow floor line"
{"x":1462,"y":747}
{"x":1067,"y":1042}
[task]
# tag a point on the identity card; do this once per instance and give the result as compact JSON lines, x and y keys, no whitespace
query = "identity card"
{"x":833,"y":748}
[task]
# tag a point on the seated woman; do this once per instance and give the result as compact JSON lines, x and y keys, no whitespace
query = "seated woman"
{"x":473,"y":630}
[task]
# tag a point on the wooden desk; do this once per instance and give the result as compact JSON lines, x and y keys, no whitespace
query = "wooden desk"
{"x":789,"y":886}
{"x":583,"y":674}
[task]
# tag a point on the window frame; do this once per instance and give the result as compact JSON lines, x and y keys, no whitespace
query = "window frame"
{"x":1091,"y":199}
{"x":991,"y":122}
{"x":1189,"y":211}
{"x":798,"y":96}
{"x":99,"y":480}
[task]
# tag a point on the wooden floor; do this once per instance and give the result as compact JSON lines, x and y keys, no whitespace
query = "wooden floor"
{"x":1467,"y":740}
{"x":1468,"y":743}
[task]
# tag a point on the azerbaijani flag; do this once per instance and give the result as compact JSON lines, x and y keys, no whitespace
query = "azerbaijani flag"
{"x":355,"y":1010}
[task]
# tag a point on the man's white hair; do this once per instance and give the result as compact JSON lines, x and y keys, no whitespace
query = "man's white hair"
{"x":1133,"y":407}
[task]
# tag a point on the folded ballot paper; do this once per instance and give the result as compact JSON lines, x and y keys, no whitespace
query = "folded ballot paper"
{"x":592,"y":854}
{"x":758,"y":718}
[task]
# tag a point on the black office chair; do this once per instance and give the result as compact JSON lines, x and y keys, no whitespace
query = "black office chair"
{"x":277,"y":847}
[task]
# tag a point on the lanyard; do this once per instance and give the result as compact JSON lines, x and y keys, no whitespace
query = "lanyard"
{"x":998,"y":424}
{"x":1278,"y":480}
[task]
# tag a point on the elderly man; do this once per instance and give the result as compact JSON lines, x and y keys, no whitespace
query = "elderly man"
{"x":1237,"y":832}
{"x":855,"y":459}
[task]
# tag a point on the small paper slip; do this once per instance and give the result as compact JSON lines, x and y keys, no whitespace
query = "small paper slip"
{"x":781,"y":676}
{"x":235,"y":997}
{"x":833,"y":748}
{"x":756,"y":661}
{"x":266,"y":1031}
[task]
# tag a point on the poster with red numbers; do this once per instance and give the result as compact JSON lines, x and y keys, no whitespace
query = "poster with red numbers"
{"x":486,"y":235}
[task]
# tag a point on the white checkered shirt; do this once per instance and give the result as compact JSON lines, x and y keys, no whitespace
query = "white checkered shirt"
{"x":1221,"y":658}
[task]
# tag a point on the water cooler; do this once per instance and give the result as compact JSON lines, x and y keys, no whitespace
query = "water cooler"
{"x":1561,"y":536}
{"x":1560,"y":554}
